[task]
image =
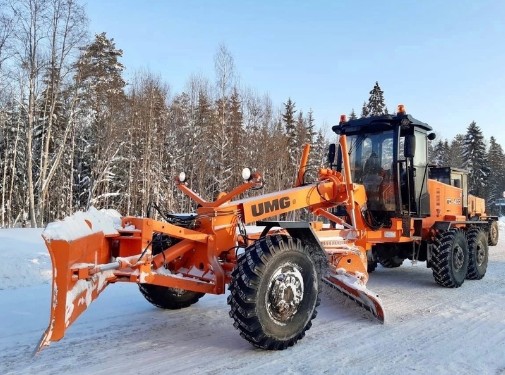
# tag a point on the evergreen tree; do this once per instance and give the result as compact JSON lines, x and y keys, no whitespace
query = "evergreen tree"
{"x":475,"y":159}
{"x":456,"y":159}
{"x":310,"y":127}
{"x":364,"y":111}
{"x":352,"y":115}
{"x":102,"y":98}
{"x":376,"y":106}
{"x":288,"y":118}
{"x":440,"y":154}
{"x":496,"y":180}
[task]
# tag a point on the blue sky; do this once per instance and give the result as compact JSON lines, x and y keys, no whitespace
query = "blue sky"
{"x":444,"y":60}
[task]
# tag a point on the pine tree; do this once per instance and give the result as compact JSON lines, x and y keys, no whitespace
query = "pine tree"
{"x":376,"y":104}
{"x":352,"y":115}
{"x":288,"y":118}
{"x":99,"y":136}
{"x":364,"y":111}
{"x":475,"y":159}
{"x":310,"y":130}
{"x":457,"y":147}
{"x":440,"y":154}
{"x":496,"y":180}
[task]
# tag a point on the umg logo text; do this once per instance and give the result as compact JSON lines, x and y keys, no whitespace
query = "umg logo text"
{"x":270,"y":206}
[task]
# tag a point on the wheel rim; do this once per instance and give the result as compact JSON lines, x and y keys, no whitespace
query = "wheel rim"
{"x":285,"y":293}
{"x":494,"y":231}
{"x":459,"y":257}
{"x":481,"y":254}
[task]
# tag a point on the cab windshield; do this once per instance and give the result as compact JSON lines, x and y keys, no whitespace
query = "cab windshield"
{"x":370,"y":153}
{"x":371,"y":160}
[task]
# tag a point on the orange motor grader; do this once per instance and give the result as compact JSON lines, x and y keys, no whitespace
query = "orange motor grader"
{"x":377,"y":203}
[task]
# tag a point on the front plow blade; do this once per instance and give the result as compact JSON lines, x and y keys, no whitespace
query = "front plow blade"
{"x":76,"y":246}
{"x":353,"y":288}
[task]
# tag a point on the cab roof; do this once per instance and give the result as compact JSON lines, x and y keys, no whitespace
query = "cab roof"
{"x":380,"y":123}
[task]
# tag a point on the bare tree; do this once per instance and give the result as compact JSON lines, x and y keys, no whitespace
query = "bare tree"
{"x":44,"y":39}
{"x":66,"y":33}
{"x":7,"y":23}
{"x":221,"y":134}
{"x":30,"y":35}
{"x":146,"y":147}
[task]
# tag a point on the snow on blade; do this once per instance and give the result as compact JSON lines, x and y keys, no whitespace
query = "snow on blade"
{"x":352,"y":286}
{"x":96,"y":283}
{"x":82,"y":224}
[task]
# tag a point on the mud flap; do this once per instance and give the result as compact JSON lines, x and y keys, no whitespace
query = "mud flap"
{"x":353,"y":288}
{"x":76,"y":283}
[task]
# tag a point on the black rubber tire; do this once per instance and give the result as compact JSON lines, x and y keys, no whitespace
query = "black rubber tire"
{"x":393,"y":262}
{"x":449,"y":261}
{"x":169,"y":298}
{"x":162,"y":296}
{"x":371,"y":266}
{"x":274,"y":292}
{"x":478,"y":253}
{"x":494,"y":233}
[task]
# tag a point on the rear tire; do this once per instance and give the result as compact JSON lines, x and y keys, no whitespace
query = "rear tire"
{"x":478,"y":253}
{"x":274,"y":292}
{"x":449,"y":260}
{"x":494,"y":233}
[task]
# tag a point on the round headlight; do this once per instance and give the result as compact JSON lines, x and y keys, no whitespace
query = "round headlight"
{"x":182,"y":177}
{"x":246,"y":174}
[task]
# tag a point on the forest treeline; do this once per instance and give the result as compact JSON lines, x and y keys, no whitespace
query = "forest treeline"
{"x":74,"y":133}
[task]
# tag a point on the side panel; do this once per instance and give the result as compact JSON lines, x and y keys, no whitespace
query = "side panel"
{"x":476,"y":206}
{"x":445,"y":200}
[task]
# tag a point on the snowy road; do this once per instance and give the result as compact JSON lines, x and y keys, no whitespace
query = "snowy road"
{"x":428,"y":329}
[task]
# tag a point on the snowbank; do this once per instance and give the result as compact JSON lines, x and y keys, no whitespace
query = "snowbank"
{"x":25,"y":260}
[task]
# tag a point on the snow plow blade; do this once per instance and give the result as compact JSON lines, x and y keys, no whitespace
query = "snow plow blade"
{"x":353,"y":288}
{"x":78,"y":246}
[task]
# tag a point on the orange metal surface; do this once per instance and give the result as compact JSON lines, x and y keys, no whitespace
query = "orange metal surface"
{"x":73,"y":287}
{"x":476,"y":206}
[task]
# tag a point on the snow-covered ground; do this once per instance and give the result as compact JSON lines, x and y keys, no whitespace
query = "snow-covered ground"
{"x":428,"y":329}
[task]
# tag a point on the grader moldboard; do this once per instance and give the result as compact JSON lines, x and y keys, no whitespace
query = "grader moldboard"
{"x":382,"y":201}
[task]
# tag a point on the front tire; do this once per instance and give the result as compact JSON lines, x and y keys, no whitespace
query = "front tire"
{"x":392,"y":262}
{"x":371,"y":263}
{"x":274,"y":292}
{"x":169,"y":298}
{"x":449,"y":260}
{"x":478,"y":253}
{"x":162,"y":296}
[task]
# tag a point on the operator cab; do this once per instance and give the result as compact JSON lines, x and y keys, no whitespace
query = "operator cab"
{"x":388,"y":156}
